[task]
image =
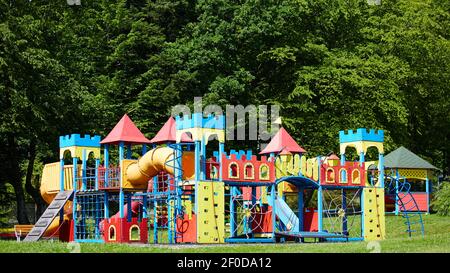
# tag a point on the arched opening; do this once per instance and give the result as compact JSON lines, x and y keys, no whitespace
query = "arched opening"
{"x":233,"y":170}
{"x":264,"y":172}
{"x":112,"y":233}
{"x":135,"y":234}
{"x":67,"y":157}
{"x":249,"y":172}
{"x":372,"y":154}
{"x":356,"y":179}
{"x":330,"y":176}
{"x":343,"y":176}
{"x":351,"y":154}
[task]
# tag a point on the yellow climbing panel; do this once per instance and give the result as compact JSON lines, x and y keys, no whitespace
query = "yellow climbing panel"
{"x":374,"y":220}
{"x":210,"y":212}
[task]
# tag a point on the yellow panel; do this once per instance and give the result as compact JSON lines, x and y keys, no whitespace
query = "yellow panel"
{"x":199,"y":134}
{"x":374,"y":219}
{"x":77,"y":151}
{"x":413,"y":173}
{"x":50,"y":180}
{"x":210,"y":212}
{"x":124,"y":180}
{"x":303,"y":165}
{"x":362,"y":146}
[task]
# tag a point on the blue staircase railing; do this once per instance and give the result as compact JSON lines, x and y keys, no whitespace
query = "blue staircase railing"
{"x":409,"y":208}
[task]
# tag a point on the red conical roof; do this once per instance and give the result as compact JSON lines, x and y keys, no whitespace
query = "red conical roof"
{"x":125,"y":131}
{"x":168,"y":133}
{"x":282,"y":141}
{"x":333,"y":157}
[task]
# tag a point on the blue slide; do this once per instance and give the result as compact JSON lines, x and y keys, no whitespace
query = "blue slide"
{"x":286,"y":215}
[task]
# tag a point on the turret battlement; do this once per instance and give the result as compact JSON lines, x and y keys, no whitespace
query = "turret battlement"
{"x":197,"y":120}
{"x":78,"y":140}
{"x":361,"y":134}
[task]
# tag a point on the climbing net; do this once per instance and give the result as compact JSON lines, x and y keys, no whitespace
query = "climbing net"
{"x":342,"y":211}
{"x":249,"y":212}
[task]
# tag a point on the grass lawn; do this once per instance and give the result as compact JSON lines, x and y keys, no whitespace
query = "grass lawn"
{"x":437,"y":239}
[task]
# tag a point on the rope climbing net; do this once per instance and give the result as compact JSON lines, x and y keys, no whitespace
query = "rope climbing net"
{"x":342,"y":211}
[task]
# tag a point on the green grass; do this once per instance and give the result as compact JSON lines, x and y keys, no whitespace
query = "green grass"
{"x":437,"y":239}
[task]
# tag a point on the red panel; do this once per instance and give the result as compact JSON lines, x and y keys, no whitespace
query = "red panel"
{"x":421,"y":200}
{"x":242,"y":162}
{"x":187,"y":229}
{"x":262,"y":220}
{"x":123,"y":230}
{"x":310,"y":220}
{"x":333,"y":177}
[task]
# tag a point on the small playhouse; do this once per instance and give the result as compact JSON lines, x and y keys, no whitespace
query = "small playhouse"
{"x":402,"y":164}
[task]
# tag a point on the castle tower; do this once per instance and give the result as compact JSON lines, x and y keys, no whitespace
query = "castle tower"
{"x":372,"y":197}
{"x":79,"y":148}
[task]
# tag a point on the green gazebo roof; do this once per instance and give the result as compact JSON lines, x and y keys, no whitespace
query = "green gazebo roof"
{"x":403,"y":158}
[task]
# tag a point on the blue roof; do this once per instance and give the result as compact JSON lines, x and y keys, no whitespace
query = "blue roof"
{"x":299,"y":181}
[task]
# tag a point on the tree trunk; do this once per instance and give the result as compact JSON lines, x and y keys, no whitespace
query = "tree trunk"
{"x":32,"y":191}
{"x":15,"y":179}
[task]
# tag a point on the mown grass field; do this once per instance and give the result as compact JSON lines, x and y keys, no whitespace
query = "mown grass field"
{"x":437,"y":239}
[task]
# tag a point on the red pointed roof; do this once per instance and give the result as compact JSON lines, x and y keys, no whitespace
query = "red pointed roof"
{"x":282,"y":141}
{"x":126,"y":131}
{"x":168,"y":133}
{"x":333,"y":157}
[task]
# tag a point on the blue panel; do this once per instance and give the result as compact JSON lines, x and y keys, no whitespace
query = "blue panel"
{"x":77,"y":140}
{"x":197,"y":120}
{"x":361,"y":134}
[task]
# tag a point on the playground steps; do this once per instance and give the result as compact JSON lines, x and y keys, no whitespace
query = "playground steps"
{"x":286,"y":215}
{"x":408,"y":205}
{"x":48,"y":216}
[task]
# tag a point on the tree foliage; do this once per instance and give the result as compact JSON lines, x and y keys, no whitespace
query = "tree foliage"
{"x":329,"y":64}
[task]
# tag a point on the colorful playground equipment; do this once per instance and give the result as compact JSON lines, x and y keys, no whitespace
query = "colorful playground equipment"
{"x":175,"y":188}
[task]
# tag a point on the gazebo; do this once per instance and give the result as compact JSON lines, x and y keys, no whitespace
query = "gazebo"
{"x":404,"y":164}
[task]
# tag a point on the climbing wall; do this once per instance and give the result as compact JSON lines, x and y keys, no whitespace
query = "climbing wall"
{"x":374,"y":220}
{"x":210,"y":212}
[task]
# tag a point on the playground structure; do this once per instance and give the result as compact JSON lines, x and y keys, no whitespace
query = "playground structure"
{"x":175,"y":189}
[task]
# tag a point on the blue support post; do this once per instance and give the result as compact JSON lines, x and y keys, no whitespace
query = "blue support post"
{"x":300,"y":206}
{"x":97,"y":165}
{"x":344,"y":207}
{"x":232,"y":212}
{"x":83,"y":170}
{"x":396,"y":192}
{"x":169,"y":221}
{"x":361,"y":197}
{"x":197,"y":160}
{"x":106,"y":164}
{"x":319,"y":198}
{"x":381,"y":171}
{"x":203,"y":160}
{"x":121,"y":203}
{"x":129,"y":208}
{"x":342,"y":160}
{"x":272,"y":197}
{"x":319,"y":209}
{"x":155,"y":221}
{"x":121,"y":151}
{"x":61,"y":174}
{"x":361,"y":159}
{"x":74,"y":203}
{"x":144,"y":149}
{"x":427,"y":190}
{"x":106,"y":205}
{"x":129,"y":151}
{"x":221,"y":152}
{"x":144,"y":207}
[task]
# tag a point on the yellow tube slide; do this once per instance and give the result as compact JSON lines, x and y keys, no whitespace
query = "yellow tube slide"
{"x":158,"y":159}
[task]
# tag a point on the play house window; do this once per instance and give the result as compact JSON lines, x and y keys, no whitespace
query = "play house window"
{"x":355,"y":177}
{"x":343,"y":176}
{"x":249,"y":171}
{"x":134,"y":233}
{"x":234,"y":170}
{"x":112,"y":233}
{"x":330,"y":176}
{"x":214,"y":172}
{"x":264,"y":172}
